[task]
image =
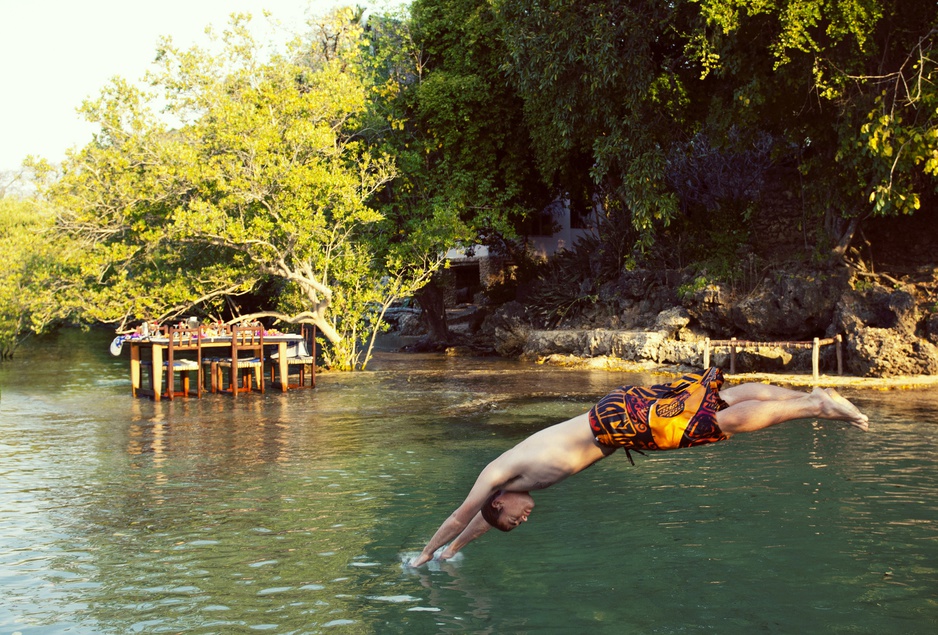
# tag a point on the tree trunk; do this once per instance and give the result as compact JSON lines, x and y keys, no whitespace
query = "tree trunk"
{"x":326,"y":329}
{"x":430,"y":297}
{"x":842,"y":234}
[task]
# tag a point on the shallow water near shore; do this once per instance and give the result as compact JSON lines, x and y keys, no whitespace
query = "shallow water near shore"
{"x":294,"y":513}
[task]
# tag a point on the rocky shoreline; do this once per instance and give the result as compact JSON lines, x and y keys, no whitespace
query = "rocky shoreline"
{"x":642,"y":323}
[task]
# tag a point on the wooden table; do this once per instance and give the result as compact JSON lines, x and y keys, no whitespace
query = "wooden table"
{"x":158,"y":344}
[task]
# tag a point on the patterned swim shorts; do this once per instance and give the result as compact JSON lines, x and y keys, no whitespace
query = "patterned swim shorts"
{"x":661,"y":417}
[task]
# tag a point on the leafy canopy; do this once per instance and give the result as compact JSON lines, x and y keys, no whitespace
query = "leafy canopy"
{"x":262,"y":180}
{"x":30,"y":272}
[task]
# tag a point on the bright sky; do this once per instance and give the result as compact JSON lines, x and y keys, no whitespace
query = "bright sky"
{"x":54,"y":54}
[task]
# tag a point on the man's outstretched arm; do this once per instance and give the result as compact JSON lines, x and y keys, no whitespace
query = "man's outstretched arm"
{"x":459,"y":521}
{"x":451,"y":527}
{"x":476,"y":528}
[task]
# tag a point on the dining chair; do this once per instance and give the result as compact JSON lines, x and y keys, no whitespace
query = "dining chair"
{"x":183,"y":340}
{"x":244,"y":339}
{"x":210,"y":363}
{"x":301,"y":354}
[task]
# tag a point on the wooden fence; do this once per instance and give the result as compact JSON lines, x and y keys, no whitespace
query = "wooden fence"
{"x":815,"y":346}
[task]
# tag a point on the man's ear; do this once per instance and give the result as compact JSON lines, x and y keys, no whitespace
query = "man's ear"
{"x":498,"y":504}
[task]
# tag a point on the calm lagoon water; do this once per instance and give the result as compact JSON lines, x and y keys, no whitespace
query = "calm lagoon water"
{"x":293,"y":513}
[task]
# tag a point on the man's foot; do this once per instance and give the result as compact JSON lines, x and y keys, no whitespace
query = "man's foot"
{"x":834,"y":406}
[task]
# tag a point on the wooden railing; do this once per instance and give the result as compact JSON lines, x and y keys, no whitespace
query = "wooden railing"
{"x":815,"y":346}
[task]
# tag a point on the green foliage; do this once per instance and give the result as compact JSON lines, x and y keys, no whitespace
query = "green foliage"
{"x":265,"y":177}
{"x":567,"y":284}
{"x":338,"y":174}
{"x":604,"y":90}
{"x":564,"y":287}
{"x":476,"y":163}
{"x":689,"y":289}
{"x":721,"y":177}
{"x":901,"y":134}
{"x":30,"y":266}
{"x":851,"y":83}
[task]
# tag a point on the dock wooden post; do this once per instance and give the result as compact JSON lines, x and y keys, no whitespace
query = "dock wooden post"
{"x":732,"y":356}
{"x":134,"y":368}
{"x":840,"y":355}
{"x":157,"y":371}
{"x":815,"y":357}
{"x":706,"y":359}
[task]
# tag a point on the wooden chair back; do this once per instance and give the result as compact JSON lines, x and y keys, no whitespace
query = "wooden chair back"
{"x":247,"y":339}
{"x":183,"y":339}
{"x":309,"y":338}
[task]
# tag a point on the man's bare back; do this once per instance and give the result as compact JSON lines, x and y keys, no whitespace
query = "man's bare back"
{"x":548,"y":456}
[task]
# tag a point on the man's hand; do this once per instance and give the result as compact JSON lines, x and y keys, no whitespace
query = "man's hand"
{"x":421,"y":560}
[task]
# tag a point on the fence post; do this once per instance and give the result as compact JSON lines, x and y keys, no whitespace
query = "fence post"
{"x":732,"y":356}
{"x":706,"y":359}
{"x":840,"y":355}
{"x":815,"y":356}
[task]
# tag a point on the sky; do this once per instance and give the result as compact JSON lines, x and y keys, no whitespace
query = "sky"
{"x":54,"y":54}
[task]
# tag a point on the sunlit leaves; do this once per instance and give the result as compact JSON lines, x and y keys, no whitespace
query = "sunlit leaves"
{"x":31,"y":268}
{"x":605,"y":90}
{"x":862,"y":75}
{"x":264,"y":176}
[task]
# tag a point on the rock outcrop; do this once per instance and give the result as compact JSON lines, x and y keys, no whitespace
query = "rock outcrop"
{"x":888,"y":331}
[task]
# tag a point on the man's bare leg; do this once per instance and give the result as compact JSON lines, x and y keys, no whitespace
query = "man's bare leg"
{"x":758,"y":392}
{"x":749,"y":415}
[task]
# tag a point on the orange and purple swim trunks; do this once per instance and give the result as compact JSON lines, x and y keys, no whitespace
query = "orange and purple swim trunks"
{"x":661,"y":417}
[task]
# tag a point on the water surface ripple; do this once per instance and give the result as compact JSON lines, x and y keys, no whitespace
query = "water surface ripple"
{"x":293,"y":513}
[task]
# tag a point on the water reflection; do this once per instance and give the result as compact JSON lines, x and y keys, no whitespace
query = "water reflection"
{"x":293,"y":513}
{"x":454,"y":598}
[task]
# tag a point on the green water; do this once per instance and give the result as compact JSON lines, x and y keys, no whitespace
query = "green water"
{"x":293,"y":513}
